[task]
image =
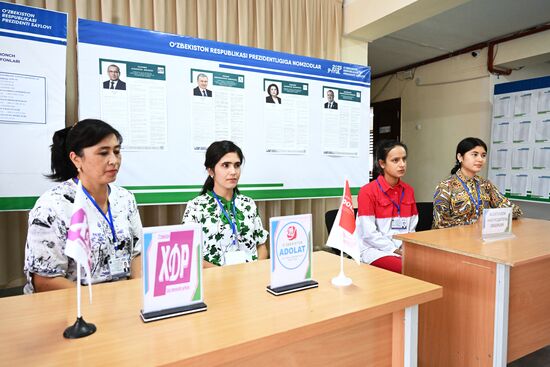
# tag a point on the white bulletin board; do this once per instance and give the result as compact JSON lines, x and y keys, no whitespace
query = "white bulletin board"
{"x":520,"y":139}
{"x":294,"y":146}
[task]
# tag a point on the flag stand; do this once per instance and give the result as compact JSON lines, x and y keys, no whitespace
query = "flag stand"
{"x":80,"y":328}
{"x":341,"y":280}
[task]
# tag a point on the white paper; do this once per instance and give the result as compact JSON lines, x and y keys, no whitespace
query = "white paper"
{"x":499,"y":158}
{"x":287,"y":126}
{"x":500,"y":182}
{"x":520,"y":158}
{"x":500,"y":132}
{"x":519,"y":185}
{"x":502,"y":106}
{"x":541,"y":158}
{"x":340,"y":130}
{"x":496,"y":221}
{"x":147,"y":105}
{"x":521,"y":131}
{"x":23,"y":99}
{"x":220,"y":117}
{"x":138,"y":113}
{"x":204,"y":127}
{"x":542,"y":130}
{"x":543,"y":103}
{"x":522,"y":104}
{"x":540,"y":187}
{"x":234,"y":258}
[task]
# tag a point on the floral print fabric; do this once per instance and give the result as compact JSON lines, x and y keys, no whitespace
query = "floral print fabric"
{"x":218,"y":238}
{"x":49,"y":221}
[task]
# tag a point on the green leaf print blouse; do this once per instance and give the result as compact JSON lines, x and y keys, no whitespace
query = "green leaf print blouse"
{"x":218,"y":238}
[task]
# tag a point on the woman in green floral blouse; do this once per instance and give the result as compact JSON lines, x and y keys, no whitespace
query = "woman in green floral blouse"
{"x":460,"y":199}
{"x":232,"y":229}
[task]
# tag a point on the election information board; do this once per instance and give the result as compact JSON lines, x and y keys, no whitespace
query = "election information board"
{"x":32,"y":99}
{"x":302,"y":123}
{"x":520,"y":140}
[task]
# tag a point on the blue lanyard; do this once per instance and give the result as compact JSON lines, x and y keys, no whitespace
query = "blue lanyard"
{"x":226,"y":214}
{"x":398,"y":206}
{"x":109,"y":220}
{"x":479,"y":202}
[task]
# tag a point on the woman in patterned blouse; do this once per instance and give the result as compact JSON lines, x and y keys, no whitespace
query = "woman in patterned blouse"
{"x":232,"y":229}
{"x":88,"y":152}
{"x":460,"y":199}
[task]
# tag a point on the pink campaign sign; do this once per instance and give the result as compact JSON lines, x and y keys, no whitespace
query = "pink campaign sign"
{"x":173,"y":261}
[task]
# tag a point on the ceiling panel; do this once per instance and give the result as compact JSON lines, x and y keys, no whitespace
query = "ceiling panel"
{"x":465,"y":25}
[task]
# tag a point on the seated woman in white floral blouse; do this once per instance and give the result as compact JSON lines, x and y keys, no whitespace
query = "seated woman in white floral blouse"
{"x":88,"y":152}
{"x":232,"y":229}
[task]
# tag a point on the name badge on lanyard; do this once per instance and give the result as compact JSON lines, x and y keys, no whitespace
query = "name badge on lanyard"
{"x":232,"y":254}
{"x":119,"y":266}
{"x":479,"y":202}
{"x":398,"y":223}
{"x":234,"y":257}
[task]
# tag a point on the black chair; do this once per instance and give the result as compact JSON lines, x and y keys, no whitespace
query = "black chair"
{"x":330,"y":216}
{"x":425,"y":216}
{"x":8,"y":292}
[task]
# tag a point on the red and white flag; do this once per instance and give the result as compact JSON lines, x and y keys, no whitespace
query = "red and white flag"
{"x":78,"y":237}
{"x":343,"y":235}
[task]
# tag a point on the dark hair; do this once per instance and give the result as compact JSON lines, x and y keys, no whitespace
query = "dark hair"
{"x":214,"y":153}
{"x":116,"y":66}
{"x":382,"y":150}
{"x":83,"y":134}
{"x":269,"y":88}
{"x":464,"y":146}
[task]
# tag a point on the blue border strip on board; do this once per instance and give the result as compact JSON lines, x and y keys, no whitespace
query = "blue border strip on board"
{"x":147,"y":238}
{"x":112,"y":35}
{"x":32,"y":38}
{"x":520,"y":85}
{"x":31,"y":20}
{"x":293,"y":75}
